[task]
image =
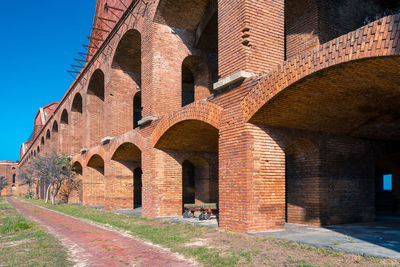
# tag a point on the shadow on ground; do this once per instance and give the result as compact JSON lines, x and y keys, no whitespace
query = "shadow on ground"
{"x":377,"y":239}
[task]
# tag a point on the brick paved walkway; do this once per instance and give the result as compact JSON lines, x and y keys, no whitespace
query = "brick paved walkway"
{"x":91,"y":245}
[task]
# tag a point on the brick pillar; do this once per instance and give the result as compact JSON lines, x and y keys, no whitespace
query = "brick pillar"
{"x":76,"y":130}
{"x":162,"y":184}
{"x":94,"y":120}
{"x":251,"y":35}
{"x":64,"y":136}
{"x":56,"y":141}
{"x":118,"y":181}
{"x":252,"y":178}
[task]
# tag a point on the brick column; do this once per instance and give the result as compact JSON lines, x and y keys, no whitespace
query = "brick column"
{"x":162,"y":184}
{"x":251,"y":35}
{"x":252,"y":178}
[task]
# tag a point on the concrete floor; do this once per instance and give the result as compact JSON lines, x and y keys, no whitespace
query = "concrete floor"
{"x":212,"y":223}
{"x":377,"y":239}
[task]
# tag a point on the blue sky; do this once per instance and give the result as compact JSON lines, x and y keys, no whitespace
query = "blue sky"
{"x":38,"y":42}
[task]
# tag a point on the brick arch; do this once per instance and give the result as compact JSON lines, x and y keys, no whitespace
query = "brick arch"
{"x":133,"y":137}
{"x":175,"y":13}
{"x":204,"y":111}
{"x":99,"y":150}
{"x":374,"y":40}
{"x":127,"y":46}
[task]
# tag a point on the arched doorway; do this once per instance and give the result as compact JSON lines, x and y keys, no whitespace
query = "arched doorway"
{"x":124,"y":178}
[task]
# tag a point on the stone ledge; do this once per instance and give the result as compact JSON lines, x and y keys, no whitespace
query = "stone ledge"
{"x":84,"y":150}
{"x":147,"y":119}
{"x":234,"y":78}
{"x":107,"y":139}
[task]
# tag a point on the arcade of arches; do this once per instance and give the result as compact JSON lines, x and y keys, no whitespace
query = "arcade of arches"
{"x":194,"y":102}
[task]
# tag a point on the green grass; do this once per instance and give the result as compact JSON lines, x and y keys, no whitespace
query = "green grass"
{"x":222,"y":248}
{"x":25,"y":243}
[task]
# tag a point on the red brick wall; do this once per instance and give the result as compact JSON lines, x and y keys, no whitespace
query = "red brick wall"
{"x":301,"y":26}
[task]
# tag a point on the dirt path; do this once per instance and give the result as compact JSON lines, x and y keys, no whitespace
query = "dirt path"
{"x":91,"y":245}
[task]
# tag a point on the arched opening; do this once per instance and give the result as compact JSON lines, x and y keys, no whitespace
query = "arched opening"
{"x":128,"y":55}
{"x":199,"y":35}
{"x":55,"y":127}
{"x":189,"y":150}
{"x":124,"y":178}
{"x":38,"y":149}
{"x":64,"y":117}
{"x":77,"y":103}
{"x":64,"y":132}
{"x":42,"y":141}
{"x":13,"y":178}
{"x":48,"y":135}
{"x":137,"y":109}
{"x":187,"y":86}
{"x":76,"y":123}
{"x":94,"y":182}
{"x":196,"y":81}
{"x":125,"y":84}
{"x":95,"y":108}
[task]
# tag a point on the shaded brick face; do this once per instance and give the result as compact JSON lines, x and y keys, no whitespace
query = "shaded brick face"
{"x":298,"y":142}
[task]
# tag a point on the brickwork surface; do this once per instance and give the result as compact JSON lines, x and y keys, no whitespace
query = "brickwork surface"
{"x":302,"y":140}
{"x":98,"y":246}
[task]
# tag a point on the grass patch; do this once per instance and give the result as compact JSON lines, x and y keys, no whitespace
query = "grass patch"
{"x":25,"y":243}
{"x":211,"y":247}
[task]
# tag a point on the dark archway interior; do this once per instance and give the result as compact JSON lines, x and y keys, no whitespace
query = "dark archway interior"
{"x":137,"y":109}
{"x":187,"y":86}
{"x":96,"y":85}
{"x":55,"y":127}
{"x":64,"y":117}
{"x":97,"y":163}
{"x":77,"y":104}
{"x":188,"y":182}
{"x":137,"y":185}
{"x":128,"y":56}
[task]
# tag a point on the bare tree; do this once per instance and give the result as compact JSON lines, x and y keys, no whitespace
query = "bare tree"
{"x":3,"y":183}
{"x":27,"y":178}
{"x":52,"y":170}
